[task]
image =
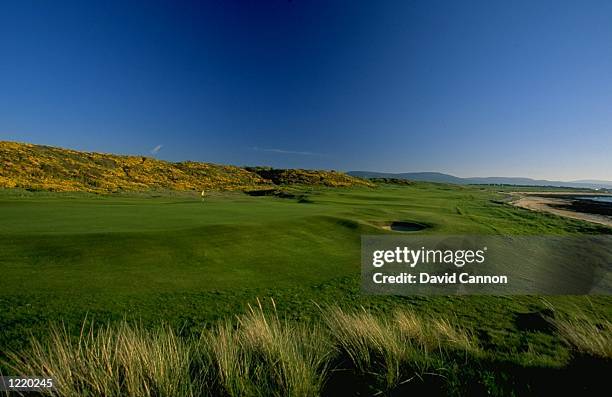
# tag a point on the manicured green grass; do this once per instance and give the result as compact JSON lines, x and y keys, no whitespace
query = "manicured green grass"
{"x":175,"y":259}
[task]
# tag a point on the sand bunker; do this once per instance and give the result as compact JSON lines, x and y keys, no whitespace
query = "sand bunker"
{"x":401,"y":226}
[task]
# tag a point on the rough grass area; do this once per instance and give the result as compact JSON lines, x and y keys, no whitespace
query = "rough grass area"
{"x":309,"y":177}
{"x":587,"y":334}
{"x":350,"y":353}
{"x":37,"y":167}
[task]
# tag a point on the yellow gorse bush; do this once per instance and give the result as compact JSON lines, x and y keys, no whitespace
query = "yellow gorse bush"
{"x":56,"y":169}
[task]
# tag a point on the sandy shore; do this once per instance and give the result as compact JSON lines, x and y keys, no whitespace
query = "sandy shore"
{"x":544,"y":204}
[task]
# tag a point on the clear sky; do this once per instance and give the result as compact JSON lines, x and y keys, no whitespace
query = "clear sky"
{"x":472,"y":88}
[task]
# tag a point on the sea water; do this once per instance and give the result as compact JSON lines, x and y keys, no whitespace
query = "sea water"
{"x":604,"y":199}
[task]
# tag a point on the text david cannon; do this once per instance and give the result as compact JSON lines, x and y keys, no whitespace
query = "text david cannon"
{"x":426,"y":278}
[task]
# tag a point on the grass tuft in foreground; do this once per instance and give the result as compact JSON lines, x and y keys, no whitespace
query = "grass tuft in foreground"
{"x":265,"y":356}
{"x":349,"y":353}
{"x":112,"y":361}
{"x":591,"y":336}
{"x":397,"y":350}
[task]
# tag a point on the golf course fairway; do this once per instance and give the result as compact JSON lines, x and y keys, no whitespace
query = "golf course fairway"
{"x":179,"y":260}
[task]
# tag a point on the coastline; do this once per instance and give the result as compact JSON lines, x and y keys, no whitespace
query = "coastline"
{"x":565,"y":204}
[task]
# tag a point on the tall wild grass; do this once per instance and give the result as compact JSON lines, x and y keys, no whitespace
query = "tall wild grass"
{"x":589,"y":335}
{"x":260,"y":354}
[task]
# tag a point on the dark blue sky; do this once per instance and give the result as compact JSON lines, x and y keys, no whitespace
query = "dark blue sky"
{"x":473,"y":88}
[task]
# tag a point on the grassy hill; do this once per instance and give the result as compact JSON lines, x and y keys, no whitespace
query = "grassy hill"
{"x":308,"y":177}
{"x":36,"y":167}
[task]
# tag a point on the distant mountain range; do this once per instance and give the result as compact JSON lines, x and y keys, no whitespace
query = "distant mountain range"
{"x":446,"y":178}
